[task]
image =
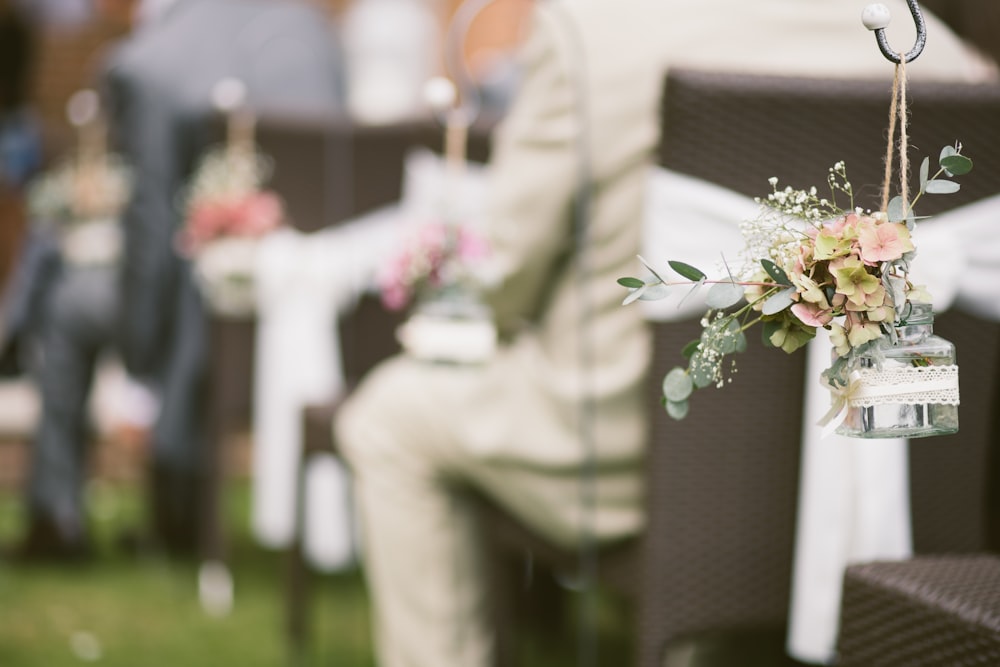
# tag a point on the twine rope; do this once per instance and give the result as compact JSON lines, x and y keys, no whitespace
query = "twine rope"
{"x":898,"y":112}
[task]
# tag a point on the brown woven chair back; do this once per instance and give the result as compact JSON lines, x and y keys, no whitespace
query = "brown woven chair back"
{"x":723,"y":483}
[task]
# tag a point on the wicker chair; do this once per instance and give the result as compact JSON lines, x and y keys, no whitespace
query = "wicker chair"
{"x":717,"y":553}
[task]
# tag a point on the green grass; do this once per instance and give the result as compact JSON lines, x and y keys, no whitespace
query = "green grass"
{"x":144,"y":612}
{"x":123,"y":611}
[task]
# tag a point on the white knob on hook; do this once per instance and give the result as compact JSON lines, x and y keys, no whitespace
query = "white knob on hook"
{"x":440,"y":93}
{"x":229,"y":94}
{"x":82,"y":108}
{"x":876,"y":16}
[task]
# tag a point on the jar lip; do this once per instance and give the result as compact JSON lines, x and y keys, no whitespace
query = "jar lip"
{"x":916,"y":313}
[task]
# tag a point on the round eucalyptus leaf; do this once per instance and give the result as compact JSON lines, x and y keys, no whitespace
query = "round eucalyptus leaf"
{"x":896,"y":210}
{"x":778,"y":302}
{"x":741,"y":342}
{"x":937,"y":186}
{"x":677,"y":385}
{"x":702,"y":372}
{"x":655,"y":292}
{"x":690,"y":348}
{"x":677,"y":409}
{"x":956,"y":165}
{"x":724,"y":295}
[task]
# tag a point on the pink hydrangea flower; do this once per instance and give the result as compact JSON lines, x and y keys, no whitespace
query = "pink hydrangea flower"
{"x":883,"y":242}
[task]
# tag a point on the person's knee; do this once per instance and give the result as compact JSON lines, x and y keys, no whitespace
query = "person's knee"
{"x":376,"y":418}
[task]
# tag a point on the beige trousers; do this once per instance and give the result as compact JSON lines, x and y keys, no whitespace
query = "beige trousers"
{"x":423,"y":557}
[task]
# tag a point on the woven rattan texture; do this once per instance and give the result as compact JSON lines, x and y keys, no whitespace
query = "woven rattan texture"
{"x":723,"y":483}
{"x":928,"y":612}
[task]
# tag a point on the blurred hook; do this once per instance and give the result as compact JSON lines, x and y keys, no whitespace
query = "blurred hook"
{"x":876,"y":17}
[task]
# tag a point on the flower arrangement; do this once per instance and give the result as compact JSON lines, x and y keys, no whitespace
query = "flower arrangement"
{"x":80,"y":191}
{"x":79,"y":202}
{"x":226,"y":200}
{"x":808,"y":262}
{"x":227,"y":211}
{"x":434,"y":257}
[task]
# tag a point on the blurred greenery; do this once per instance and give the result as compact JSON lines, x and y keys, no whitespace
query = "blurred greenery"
{"x":119,"y":610}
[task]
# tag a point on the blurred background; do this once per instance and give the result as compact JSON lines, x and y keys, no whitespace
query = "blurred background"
{"x":119,"y":610}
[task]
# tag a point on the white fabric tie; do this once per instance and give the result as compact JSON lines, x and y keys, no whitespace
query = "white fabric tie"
{"x":305,"y":283}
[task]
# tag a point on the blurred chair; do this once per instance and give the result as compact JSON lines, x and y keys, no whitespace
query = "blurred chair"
{"x":328,"y":170}
{"x":723,"y":483}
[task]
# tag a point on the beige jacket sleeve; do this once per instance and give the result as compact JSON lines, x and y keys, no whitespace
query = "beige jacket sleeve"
{"x":533,"y":178}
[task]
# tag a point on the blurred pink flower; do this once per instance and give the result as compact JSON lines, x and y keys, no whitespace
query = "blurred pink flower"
{"x":436,"y":254}
{"x":252,"y":215}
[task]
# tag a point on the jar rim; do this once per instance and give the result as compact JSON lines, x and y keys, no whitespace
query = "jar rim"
{"x":916,"y":313}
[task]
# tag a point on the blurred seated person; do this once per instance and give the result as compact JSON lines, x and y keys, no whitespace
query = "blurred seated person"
{"x":563,"y":395}
{"x":20,"y":157}
{"x":159,"y":82}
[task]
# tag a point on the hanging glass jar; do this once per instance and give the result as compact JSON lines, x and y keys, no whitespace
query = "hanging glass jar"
{"x":907,"y":388}
{"x":450,"y":324}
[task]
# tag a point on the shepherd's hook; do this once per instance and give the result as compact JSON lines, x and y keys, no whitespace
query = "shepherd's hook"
{"x":876,"y":17}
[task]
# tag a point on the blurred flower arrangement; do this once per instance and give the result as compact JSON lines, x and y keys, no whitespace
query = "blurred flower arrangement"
{"x":79,"y":191}
{"x":808,"y":262}
{"x":79,"y":201}
{"x":226,"y":213}
{"x":439,"y":271}
{"x":225,"y":200}
{"x":435,"y":257}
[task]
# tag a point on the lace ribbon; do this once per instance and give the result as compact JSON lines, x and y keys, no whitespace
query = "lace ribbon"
{"x":905,"y":385}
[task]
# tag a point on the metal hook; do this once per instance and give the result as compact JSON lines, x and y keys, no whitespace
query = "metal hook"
{"x":876,"y":17}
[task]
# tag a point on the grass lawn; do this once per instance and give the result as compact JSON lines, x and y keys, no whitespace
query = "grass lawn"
{"x":122,"y":611}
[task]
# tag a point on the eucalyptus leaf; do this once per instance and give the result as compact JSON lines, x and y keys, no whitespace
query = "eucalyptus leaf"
{"x":702,"y":373}
{"x":724,"y":295}
{"x":693,"y":289}
{"x":651,"y":269}
{"x":655,"y":292}
{"x":956,"y":165}
{"x":925,"y":168}
{"x":741,"y":342}
{"x":676,"y":409}
{"x":937,"y":186}
{"x":633,"y":283}
{"x":633,"y":295}
{"x":677,"y":385}
{"x":686,"y":270}
{"x":778,"y":302}
{"x":768,"y":329}
{"x":690,"y":348}
{"x":777,"y":274}
{"x":946,"y":152}
{"x":896,"y":210}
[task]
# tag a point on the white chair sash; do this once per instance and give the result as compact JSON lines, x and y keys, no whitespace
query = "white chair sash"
{"x":305,"y":282}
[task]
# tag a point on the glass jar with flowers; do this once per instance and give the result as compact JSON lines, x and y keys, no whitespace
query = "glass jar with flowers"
{"x":810,"y":263}
{"x":437,"y":271}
